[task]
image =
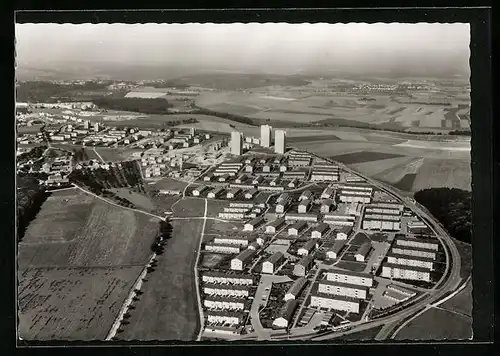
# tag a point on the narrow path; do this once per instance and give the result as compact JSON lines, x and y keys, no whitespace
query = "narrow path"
{"x":98,"y":155}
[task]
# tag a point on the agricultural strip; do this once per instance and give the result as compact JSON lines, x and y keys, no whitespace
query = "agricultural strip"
{"x":140,"y":200}
{"x":462,"y":302}
{"x":168,"y":183}
{"x":364,"y":156}
{"x":168,"y":308}
{"x":437,"y":324}
{"x":189,"y":207}
{"x":376,"y":167}
{"x":78,"y":230}
{"x":454,"y":173}
{"x":296,"y":139}
{"x":71,"y":303}
{"x":406,"y":183}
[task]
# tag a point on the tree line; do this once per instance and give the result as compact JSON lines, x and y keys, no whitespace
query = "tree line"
{"x":140,"y":105}
{"x":48,"y":92}
{"x":30,"y":196}
{"x":452,"y":207}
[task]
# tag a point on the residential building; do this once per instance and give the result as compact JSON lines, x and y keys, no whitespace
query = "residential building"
{"x":234,"y":240}
{"x":320,"y":231}
{"x":225,"y":317}
{"x":301,"y":217}
{"x":275,"y":226}
{"x":237,"y":291}
{"x":258,"y":180}
{"x":297,"y":286}
{"x":335,"y":250}
{"x":242,"y":260}
{"x":199,"y":190}
{"x":328,"y":193}
{"x":224,"y":278}
{"x":293,"y":183}
{"x":254,"y":224}
{"x":345,"y":289}
{"x":418,"y":227}
{"x":363,"y":252}
{"x":217,"y":192}
{"x":251,"y":193}
{"x":413,"y":251}
{"x":280,"y":142}
{"x":358,"y":278}
{"x":339,"y":219}
{"x":307,"y":194}
{"x":224,"y":303}
{"x":243,"y":177}
{"x":222,"y":248}
{"x":417,"y":243}
{"x":285,"y":315}
{"x":273,"y":262}
{"x":304,"y":206}
{"x":232,"y":193}
{"x":307,"y":249}
{"x":327,"y":205}
{"x":303,"y":267}
{"x":236,"y":143}
{"x":297,"y":228}
{"x":344,"y":232}
{"x":282,"y":205}
{"x":390,"y":270}
{"x":335,"y":302}
{"x":414,"y":261}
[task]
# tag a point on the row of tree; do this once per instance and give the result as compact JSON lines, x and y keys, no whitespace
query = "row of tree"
{"x":33,"y":154}
{"x":30,"y":197}
{"x":80,"y":155}
{"x":452,"y":207}
{"x":48,"y":92}
{"x":140,"y":105}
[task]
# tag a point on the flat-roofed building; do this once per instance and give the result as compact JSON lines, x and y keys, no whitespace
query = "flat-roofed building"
{"x":355,"y":197}
{"x":297,"y":228}
{"x":265,"y":135}
{"x":225,"y":278}
{"x":222,"y":248}
{"x":390,"y":270}
{"x":273,"y":262}
{"x":254,"y":224}
{"x":304,"y":206}
{"x":327,"y":205}
{"x":346,"y":289}
{"x":335,"y":250}
{"x":339,"y":219}
{"x":237,"y":291}
{"x":414,"y":261}
{"x":224,"y":303}
{"x":307,"y":249}
{"x":413,"y":251}
{"x":417,"y":243}
{"x":304,"y":265}
{"x":232,"y":193}
{"x":275,"y":226}
{"x":320,"y":231}
{"x":418,"y":227}
{"x":301,"y":217}
{"x":217,"y":192}
{"x":242,"y":260}
{"x":363,"y":252}
{"x":234,"y":240}
{"x":335,"y":302}
{"x":280,"y":142}
{"x":225,"y":317}
{"x":236,"y":143}
{"x":200,"y":190}
{"x":358,"y":278}
{"x":297,"y":287}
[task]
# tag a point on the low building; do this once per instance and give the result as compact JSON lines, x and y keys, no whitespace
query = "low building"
{"x":320,"y":231}
{"x":307,"y":249}
{"x":301,"y":217}
{"x":339,"y":219}
{"x":236,"y":291}
{"x":344,"y":232}
{"x":258,"y":180}
{"x":297,"y":286}
{"x":273,"y":262}
{"x":413,"y":251}
{"x":217,"y":192}
{"x":293,"y":183}
{"x":303,"y":267}
{"x":199,"y":190}
{"x":254,"y":245}
{"x":282,"y":205}
{"x":275,"y":226}
{"x":224,"y":303}
{"x":335,"y":250}
{"x":359,"y":278}
{"x":417,"y":243}
{"x":297,"y":228}
{"x":327,"y":205}
{"x":225,"y":317}
{"x":242,"y":260}
{"x":413,"y":261}
{"x":251,"y":193}
{"x":307,"y":194}
{"x":304,"y":206}
{"x":254,"y":224}
{"x":234,"y":240}
{"x":345,"y":289}
{"x":418,"y":227}
{"x":285,"y":315}
{"x":363,"y":252}
{"x":214,"y":277}
{"x":390,"y":270}
{"x":335,"y":302}
{"x":232,"y":193}
{"x":222,"y":248}
{"x":328,"y":193}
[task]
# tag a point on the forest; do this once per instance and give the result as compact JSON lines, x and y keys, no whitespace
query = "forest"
{"x":30,"y":197}
{"x":140,"y":105}
{"x":48,"y":92}
{"x":452,"y":207}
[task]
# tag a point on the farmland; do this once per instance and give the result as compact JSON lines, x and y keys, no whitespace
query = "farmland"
{"x":189,"y":207}
{"x":71,"y":303}
{"x":139,"y":200}
{"x":170,"y":290}
{"x":77,"y":230}
{"x":168,"y":183}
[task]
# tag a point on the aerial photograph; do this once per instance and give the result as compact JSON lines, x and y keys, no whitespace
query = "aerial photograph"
{"x":243,"y":182}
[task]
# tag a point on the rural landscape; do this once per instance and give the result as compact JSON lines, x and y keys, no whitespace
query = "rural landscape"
{"x":178,"y":202}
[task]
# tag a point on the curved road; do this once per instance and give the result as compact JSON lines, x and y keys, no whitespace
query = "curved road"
{"x":434,"y":295}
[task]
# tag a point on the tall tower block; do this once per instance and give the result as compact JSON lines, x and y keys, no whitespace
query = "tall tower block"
{"x":280,"y":142}
{"x":236,"y":143}
{"x":265,"y":135}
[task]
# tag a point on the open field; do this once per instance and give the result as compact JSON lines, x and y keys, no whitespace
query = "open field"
{"x":189,"y":207}
{"x":115,"y":154}
{"x":437,"y":324}
{"x":168,"y":183}
{"x":364,"y":156}
{"x":215,"y":207}
{"x":167,"y":310}
{"x":71,"y":303}
{"x":77,"y":230}
{"x":445,"y":173}
{"x":221,"y":228}
{"x":368,"y":334}
{"x":139,"y":200}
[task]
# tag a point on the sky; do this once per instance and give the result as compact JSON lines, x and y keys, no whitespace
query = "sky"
{"x":273,"y":46}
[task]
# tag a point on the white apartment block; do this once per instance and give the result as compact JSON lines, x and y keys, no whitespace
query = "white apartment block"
{"x":226,"y":290}
{"x":345,"y":289}
{"x":390,"y":270}
{"x":320,"y":300}
{"x":411,"y":261}
{"x":417,"y":243}
{"x":358,"y":278}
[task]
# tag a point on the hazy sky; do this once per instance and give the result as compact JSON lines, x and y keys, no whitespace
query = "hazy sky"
{"x":273,"y":45}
